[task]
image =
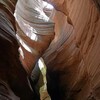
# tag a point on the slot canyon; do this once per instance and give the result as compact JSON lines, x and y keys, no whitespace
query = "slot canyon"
{"x":71,"y":55}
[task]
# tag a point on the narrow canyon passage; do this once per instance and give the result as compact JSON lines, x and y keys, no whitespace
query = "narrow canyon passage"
{"x":66,"y":34}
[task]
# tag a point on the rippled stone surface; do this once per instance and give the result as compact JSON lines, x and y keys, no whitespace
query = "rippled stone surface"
{"x":73,"y":58}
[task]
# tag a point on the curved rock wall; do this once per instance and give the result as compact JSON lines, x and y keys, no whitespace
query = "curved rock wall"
{"x":73,"y":58}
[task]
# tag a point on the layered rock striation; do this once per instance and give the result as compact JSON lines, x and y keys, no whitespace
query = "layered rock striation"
{"x":73,"y":58}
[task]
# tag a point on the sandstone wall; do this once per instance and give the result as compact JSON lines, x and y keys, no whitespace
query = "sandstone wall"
{"x":73,"y":58}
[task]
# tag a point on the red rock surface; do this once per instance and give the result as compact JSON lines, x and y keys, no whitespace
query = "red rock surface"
{"x":73,"y":58}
